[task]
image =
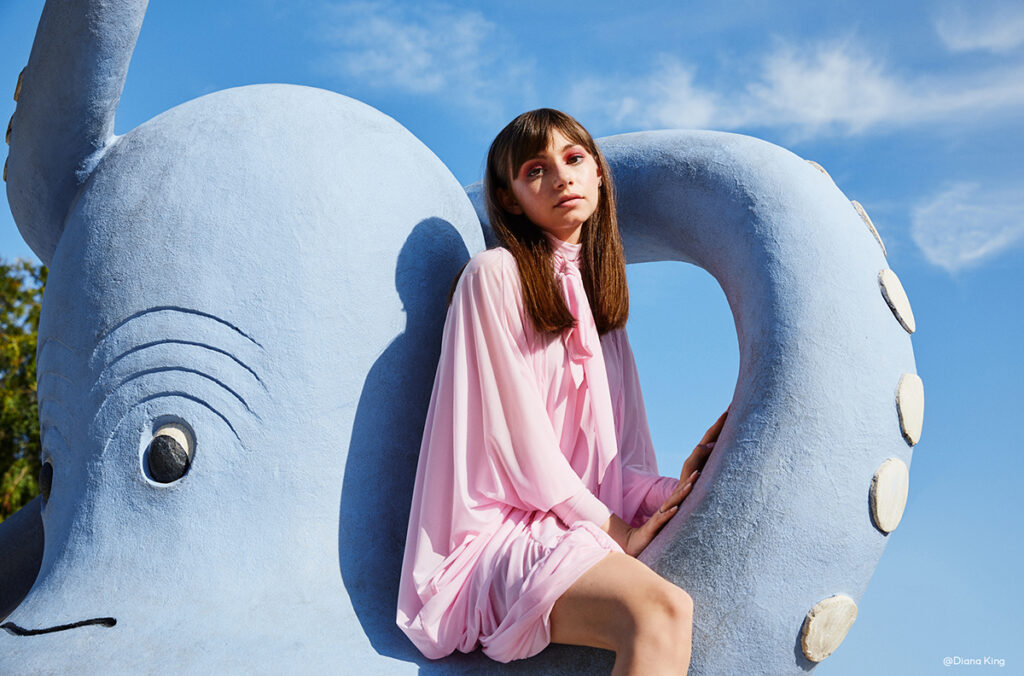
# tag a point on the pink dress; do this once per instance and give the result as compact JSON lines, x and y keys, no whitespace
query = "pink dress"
{"x":531,"y":441}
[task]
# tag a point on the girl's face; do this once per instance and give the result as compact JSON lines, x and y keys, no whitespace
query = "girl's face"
{"x":557,"y":190}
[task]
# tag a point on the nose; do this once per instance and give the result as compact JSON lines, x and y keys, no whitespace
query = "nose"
{"x":562,"y":176}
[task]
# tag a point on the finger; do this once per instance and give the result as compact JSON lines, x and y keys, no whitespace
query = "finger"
{"x":664,"y":514}
{"x":684,"y":488}
{"x":677,"y":495}
{"x":646,"y":532}
{"x":674,"y":498}
{"x":702,"y":451}
{"x":659,"y":519}
{"x":697,"y":457}
{"x":693,"y":464}
{"x":686,"y":480}
{"x":680,"y":493}
{"x":715,"y":429}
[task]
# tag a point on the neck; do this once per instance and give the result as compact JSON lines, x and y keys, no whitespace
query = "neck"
{"x":563,"y":248}
{"x":572,"y":237}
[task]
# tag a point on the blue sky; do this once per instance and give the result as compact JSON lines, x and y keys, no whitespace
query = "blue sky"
{"x":915,"y":109}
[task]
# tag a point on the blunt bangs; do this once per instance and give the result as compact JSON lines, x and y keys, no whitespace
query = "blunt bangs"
{"x":530,"y":134}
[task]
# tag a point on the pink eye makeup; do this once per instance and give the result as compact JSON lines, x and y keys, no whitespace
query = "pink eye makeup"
{"x":531,"y":169}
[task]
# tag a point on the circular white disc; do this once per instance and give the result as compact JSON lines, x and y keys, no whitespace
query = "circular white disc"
{"x":896,"y":297}
{"x":819,"y":168}
{"x":826,"y":625}
{"x":871,"y":226}
{"x":910,"y":406}
{"x":889,"y":488}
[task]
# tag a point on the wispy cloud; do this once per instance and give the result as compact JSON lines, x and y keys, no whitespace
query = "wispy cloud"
{"x":966,"y":224}
{"x":826,"y":89}
{"x":667,"y":98}
{"x":804,"y":90}
{"x":419,"y":48}
{"x":963,"y":30}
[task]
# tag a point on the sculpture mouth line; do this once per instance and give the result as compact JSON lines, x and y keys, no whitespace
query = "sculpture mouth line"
{"x":20,"y":631}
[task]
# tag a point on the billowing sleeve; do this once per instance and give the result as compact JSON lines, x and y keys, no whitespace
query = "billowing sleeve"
{"x":644,"y":490}
{"x":487,"y":408}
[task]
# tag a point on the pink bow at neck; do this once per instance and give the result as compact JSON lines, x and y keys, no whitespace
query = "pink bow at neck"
{"x":581,"y":340}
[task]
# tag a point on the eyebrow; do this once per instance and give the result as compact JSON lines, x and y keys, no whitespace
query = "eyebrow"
{"x":537,"y":156}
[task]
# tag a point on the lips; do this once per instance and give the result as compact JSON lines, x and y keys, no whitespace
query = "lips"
{"x":569,"y":200}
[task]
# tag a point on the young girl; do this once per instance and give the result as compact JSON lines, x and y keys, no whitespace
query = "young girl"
{"x":537,"y":485}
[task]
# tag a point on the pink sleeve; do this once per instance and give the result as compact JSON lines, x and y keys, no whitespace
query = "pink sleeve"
{"x":497,"y":420}
{"x":582,"y":507}
{"x":644,"y":490}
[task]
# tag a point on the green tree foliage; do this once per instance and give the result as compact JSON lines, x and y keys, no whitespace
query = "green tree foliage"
{"x":21,"y":294}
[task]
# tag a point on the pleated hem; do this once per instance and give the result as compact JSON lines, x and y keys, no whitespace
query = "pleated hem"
{"x":526,"y":628}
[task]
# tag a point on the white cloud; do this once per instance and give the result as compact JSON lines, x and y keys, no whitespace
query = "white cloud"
{"x":827,"y":89}
{"x":669,"y":98}
{"x":430,"y":49}
{"x":999,"y":31}
{"x":966,"y":224}
{"x":828,"y":86}
{"x":803,"y":90}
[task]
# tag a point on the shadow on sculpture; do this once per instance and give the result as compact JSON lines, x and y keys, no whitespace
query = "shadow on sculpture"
{"x":374,"y":511}
{"x":387,"y":431}
{"x":21,"y":541}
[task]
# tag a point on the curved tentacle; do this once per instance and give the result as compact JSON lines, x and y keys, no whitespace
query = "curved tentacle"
{"x":779,"y":520}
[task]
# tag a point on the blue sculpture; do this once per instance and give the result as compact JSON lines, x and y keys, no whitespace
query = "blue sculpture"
{"x":237,"y":346}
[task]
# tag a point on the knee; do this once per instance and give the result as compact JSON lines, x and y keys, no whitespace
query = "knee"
{"x":667,"y":617}
{"x":676,"y":609}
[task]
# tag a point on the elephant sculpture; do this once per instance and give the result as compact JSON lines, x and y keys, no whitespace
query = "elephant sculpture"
{"x":237,"y":346}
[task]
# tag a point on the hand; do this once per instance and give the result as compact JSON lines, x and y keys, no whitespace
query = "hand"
{"x":635,"y":540}
{"x":699,"y":456}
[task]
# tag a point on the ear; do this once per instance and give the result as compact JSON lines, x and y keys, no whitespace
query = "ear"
{"x":509,"y":202}
{"x":600,"y":177}
{"x":80,"y":58}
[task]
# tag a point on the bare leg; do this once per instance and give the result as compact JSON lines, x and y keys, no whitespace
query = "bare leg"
{"x":622,"y":605}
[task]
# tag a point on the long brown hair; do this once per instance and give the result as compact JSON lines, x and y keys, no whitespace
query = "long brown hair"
{"x":602,"y":263}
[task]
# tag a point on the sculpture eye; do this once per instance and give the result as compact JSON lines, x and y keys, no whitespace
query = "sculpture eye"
{"x":170,"y":453}
{"x":46,"y":479}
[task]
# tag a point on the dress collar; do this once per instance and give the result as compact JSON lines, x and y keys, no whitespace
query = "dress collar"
{"x":563,"y":250}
